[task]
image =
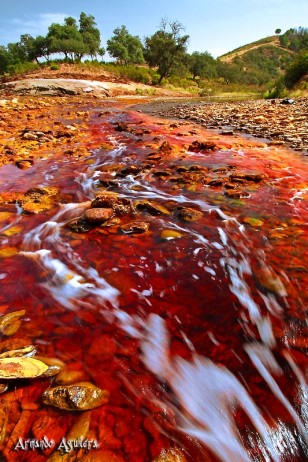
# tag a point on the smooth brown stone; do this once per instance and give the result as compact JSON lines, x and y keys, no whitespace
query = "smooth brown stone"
{"x":67,"y":377}
{"x":98,"y":215}
{"x":55,"y":366}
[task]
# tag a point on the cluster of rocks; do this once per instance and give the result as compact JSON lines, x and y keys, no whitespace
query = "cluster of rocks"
{"x":21,"y":362}
{"x":111,"y":210}
{"x":280,"y":123}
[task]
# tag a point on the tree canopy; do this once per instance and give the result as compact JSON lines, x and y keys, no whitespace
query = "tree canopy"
{"x":166,"y":47}
{"x":202,"y":65}
{"x":125,"y":47}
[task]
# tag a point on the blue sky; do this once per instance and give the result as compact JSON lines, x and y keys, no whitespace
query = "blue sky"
{"x":216,"y":26}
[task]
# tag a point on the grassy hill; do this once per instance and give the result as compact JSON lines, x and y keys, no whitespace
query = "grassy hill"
{"x":264,"y":61}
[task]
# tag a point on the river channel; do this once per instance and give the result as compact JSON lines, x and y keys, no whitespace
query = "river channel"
{"x":188,"y":304}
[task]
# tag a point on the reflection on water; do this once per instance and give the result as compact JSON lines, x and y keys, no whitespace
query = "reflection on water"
{"x":196,"y":327}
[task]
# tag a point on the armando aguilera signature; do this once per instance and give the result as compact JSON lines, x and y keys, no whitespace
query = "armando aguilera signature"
{"x":65,"y":445}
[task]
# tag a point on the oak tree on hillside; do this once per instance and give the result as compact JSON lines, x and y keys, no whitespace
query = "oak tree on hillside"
{"x":124,"y":47}
{"x":166,"y":47}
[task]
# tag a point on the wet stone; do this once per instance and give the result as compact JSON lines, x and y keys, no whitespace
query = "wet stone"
{"x":67,"y":377}
{"x":135,"y":227}
{"x":256,"y":177}
{"x":79,"y":226}
{"x":30,"y":136}
{"x":24,"y":163}
{"x":151,"y":208}
{"x":197,"y":146}
{"x":79,"y":397}
{"x":189,"y":214}
{"x":129,"y":170}
{"x":114,"y":201}
{"x":55,"y":366}
{"x":169,"y":234}
{"x":154,"y":156}
{"x":98,"y":215}
{"x":165,"y":147}
{"x":236,"y":193}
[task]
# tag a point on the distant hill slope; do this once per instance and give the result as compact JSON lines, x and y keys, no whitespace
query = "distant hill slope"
{"x":265,"y":42}
{"x":263,"y":61}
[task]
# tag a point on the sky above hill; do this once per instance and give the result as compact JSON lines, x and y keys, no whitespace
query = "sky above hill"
{"x":216,"y":26}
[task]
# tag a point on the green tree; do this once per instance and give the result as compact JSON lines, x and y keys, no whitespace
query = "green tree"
{"x":166,"y":48}
{"x":202,"y":65}
{"x":125,"y":47}
{"x":90,"y":35}
{"x":66,"y":39}
{"x":74,"y":42}
{"x":4,"y":59}
{"x":296,"y":70}
{"x":278,"y":31}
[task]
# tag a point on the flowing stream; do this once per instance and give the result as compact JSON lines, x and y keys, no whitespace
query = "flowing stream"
{"x":199,"y":333}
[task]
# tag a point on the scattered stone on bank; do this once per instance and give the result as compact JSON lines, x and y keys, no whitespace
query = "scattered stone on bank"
{"x":279,"y":123}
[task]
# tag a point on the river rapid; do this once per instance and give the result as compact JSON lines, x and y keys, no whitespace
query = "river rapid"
{"x":194,"y":319}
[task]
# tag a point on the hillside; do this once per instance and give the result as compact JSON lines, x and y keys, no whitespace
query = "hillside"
{"x":264,"y":61}
{"x":264,"y":42}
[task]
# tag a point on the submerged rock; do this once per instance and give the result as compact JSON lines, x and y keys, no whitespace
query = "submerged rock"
{"x":79,"y":226}
{"x":169,"y":234}
{"x":135,"y":227}
{"x":189,"y":214}
{"x":79,"y":397}
{"x":10,"y":323}
{"x":253,"y":222}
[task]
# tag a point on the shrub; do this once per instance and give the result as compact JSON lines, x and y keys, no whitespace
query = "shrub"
{"x":54,"y":67}
{"x":21,"y":68}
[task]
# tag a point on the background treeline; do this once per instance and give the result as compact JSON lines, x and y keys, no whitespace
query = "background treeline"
{"x":275,"y":63}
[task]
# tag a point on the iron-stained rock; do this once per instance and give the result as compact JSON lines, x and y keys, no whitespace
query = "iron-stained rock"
{"x":79,"y":397}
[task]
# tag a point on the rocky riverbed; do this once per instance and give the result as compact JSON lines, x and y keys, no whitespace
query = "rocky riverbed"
{"x":279,"y":121}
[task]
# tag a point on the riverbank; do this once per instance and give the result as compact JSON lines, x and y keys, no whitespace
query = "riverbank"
{"x":278,"y":121}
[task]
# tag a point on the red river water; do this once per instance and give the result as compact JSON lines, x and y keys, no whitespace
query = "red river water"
{"x":198,"y":333}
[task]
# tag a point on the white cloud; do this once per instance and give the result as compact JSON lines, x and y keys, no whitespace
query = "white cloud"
{"x":33,"y":24}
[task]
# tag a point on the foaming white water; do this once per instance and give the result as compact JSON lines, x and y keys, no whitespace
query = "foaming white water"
{"x":48,"y":232}
{"x":204,"y":394}
{"x":66,"y":282}
{"x":265,"y":362}
{"x":68,"y":287}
